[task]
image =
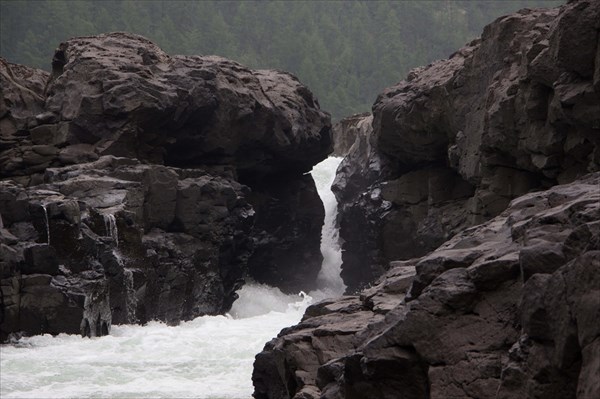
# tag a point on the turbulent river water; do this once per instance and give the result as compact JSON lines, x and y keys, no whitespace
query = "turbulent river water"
{"x":209,"y":357}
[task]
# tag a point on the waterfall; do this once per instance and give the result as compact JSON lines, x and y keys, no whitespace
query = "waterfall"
{"x":47,"y":222}
{"x":205,"y":358}
{"x":110,"y":224}
{"x":329,"y":281}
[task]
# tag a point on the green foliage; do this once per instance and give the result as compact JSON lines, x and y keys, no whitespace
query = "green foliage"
{"x":345,"y":51}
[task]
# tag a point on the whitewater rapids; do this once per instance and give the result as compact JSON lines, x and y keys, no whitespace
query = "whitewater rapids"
{"x":210,"y":357}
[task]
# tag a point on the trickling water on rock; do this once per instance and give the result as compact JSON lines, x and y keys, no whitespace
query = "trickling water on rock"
{"x":47,"y":222}
{"x":110,"y":224}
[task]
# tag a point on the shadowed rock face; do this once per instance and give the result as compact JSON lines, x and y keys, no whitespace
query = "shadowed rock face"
{"x":514,"y":111}
{"x":506,"y":309}
{"x":138,"y":185}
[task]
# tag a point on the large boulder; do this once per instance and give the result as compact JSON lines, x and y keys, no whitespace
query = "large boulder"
{"x":506,"y":309}
{"x":514,"y":111}
{"x":124,"y":96}
{"x":143,"y":185}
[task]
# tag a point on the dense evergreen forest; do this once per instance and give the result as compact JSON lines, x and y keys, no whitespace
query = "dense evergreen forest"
{"x":345,"y":51}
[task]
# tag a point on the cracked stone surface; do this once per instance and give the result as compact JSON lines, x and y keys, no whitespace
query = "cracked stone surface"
{"x":506,"y":309}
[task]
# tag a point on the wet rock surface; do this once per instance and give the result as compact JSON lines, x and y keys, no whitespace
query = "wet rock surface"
{"x":514,"y":111}
{"x":506,"y":309}
{"x":469,"y":209}
{"x":138,"y":186}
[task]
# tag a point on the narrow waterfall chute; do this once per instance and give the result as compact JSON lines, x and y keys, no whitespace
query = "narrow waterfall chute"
{"x":329,"y":281}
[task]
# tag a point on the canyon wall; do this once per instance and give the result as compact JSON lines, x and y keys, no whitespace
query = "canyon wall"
{"x":137,"y":185}
{"x":469,"y":219}
{"x":515,"y":110}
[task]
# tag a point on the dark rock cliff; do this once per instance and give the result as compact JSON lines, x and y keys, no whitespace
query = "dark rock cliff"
{"x":470,"y":201}
{"x":135,"y":185}
{"x":506,"y":309}
{"x":514,"y":111}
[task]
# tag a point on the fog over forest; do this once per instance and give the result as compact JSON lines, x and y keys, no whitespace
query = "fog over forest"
{"x":344,"y":51}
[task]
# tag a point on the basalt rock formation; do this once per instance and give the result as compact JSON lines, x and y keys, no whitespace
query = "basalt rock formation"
{"x":449,"y":147}
{"x":470,"y":202}
{"x":506,"y":309}
{"x":135,"y":185}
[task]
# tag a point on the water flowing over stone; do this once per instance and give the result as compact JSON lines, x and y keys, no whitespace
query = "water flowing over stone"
{"x":131,"y":297}
{"x":110,"y":224}
{"x":209,"y":357}
{"x":329,"y":281}
{"x":47,"y":221}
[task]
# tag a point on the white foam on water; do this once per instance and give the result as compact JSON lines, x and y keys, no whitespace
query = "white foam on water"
{"x":209,"y":357}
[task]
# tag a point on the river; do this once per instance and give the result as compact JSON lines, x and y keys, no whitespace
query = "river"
{"x":210,"y":357}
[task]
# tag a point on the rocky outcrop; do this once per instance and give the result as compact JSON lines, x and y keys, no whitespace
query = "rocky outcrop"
{"x":162,"y":243}
{"x":137,"y":185}
{"x":360,"y":209}
{"x":344,"y":134}
{"x":487,"y":157}
{"x":506,"y":309}
{"x":514,"y":111}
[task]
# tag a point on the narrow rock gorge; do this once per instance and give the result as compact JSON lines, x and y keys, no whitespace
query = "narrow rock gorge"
{"x":139,"y":186}
{"x":469,"y":220}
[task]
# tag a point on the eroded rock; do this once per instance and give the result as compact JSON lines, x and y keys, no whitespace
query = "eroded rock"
{"x":473,"y":323}
{"x":143,"y":184}
{"x":512,"y":112}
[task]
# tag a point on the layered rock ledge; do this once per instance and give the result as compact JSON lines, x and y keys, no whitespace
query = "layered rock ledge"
{"x":135,"y":185}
